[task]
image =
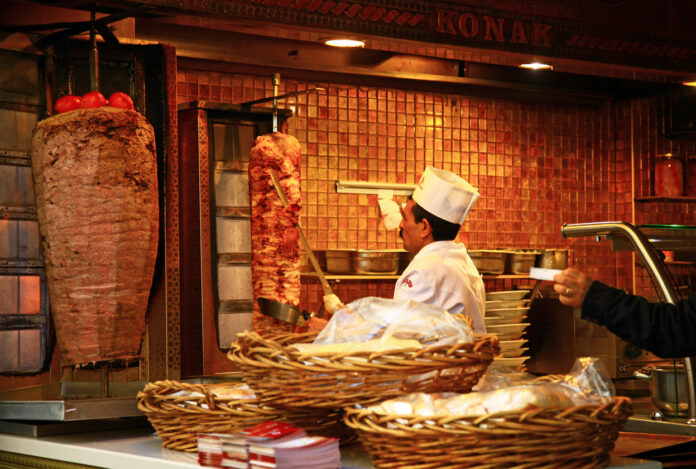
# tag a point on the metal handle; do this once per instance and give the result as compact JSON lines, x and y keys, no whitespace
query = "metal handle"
{"x":646,"y":251}
{"x":654,"y":265}
{"x":279,"y":190}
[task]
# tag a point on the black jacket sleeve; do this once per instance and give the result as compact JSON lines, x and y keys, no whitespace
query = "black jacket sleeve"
{"x":667,"y":330}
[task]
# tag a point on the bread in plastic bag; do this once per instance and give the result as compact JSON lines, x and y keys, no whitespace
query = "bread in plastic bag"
{"x":384,"y":319}
{"x":504,"y":390}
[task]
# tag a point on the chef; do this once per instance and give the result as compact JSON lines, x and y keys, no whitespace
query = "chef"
{"x":441,"y":272}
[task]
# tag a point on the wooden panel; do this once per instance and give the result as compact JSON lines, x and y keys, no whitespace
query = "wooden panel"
{"x":9,"y":360}
{"x":25,"y":187}
{"x":29,"y":294}
{"x":20,"y":73}
{"x":30,"y":355}
{"x":189,"y":239}
{"x":28,"y":241}
{"x":8,"y":240}
{"x":9,"y":294}
{"x":9,"y":187}
{"x":25,"y":123}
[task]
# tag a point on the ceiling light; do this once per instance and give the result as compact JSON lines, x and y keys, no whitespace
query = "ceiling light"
{"x":689,"y":83}
{"x":536,"y":66}
{"x":344,"y":42}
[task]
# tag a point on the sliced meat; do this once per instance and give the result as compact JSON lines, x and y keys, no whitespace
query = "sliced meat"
{"x":275,"y":259}
{"x":95,"y":182}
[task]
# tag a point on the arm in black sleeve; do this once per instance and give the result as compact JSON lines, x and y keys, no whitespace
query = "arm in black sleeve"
{"x":664,"y":329}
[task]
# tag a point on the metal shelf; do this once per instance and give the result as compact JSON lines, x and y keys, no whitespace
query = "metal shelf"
{"x":396,"y":276}
{"x":659,"y":198}
{"x":353,"y":277}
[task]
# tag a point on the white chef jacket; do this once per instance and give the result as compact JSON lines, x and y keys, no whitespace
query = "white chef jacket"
{"x":443,"y":274}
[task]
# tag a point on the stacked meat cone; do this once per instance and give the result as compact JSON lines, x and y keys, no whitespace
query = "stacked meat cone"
{"x":274,"y":237}
{"x":95,"y":182}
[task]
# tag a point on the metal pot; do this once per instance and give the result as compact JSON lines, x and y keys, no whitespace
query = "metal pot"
{"x":553,"y":259}
{"x":668,"y":388}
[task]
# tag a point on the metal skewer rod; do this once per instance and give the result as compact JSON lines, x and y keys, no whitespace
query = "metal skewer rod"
{"x":276,"y":83}
{"x":93,"y":55}
{"x":322,"y":279}
{"x":282,"y":96}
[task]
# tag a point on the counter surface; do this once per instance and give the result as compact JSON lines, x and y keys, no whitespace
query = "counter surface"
{"x":140,"y":448}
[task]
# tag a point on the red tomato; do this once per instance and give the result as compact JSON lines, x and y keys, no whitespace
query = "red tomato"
{"x":93,"y":99}
{"x":121,"y":100}
{"x":67,"y":103}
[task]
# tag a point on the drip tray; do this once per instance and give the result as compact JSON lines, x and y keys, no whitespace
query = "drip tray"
{"x":71,"y":401}
{"x":39,"y":429}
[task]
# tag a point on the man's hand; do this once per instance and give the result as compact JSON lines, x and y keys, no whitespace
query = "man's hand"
{"x":332,"y":303}
{"x":571,"y":286}
{"x":315,"y":324}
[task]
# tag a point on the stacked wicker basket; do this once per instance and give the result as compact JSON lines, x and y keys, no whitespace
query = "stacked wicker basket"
{"x":179,"y":411}
{"x":560,"y":438}
{"x":328,"y":394}
{"x":283,"y":377}
{"x":310,"y":392}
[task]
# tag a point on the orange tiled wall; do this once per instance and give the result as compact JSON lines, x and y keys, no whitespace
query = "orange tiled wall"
{"x":648,"y":142}
{"x":537,"y":166}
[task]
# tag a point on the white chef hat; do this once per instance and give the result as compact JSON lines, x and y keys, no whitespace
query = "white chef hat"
{"x":444,"y":194}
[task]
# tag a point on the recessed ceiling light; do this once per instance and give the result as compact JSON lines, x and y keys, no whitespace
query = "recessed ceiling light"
{"x":536,"y":66}
{"x":344,"y":42}
{"x":689,"y":83}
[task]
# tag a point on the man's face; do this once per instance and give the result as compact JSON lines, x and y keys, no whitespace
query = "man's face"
{"x":411,"y":231}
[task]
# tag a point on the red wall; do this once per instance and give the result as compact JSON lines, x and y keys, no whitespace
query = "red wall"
{"x":537,"y":166}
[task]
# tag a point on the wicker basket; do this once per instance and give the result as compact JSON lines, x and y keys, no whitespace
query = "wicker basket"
{"x":578,"y":437}
{"x":178,"y":419}
{"x":282,"y":377}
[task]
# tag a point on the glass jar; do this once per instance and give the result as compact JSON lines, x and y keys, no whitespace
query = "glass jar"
{"x":690,"y":177}
{"x":669,"y":176}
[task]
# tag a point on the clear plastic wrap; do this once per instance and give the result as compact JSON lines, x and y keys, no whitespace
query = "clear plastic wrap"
{"x":383,"y":319}
{"x":588,"y":382}
{"x":502,"y":377}
{"x":505,"y":390}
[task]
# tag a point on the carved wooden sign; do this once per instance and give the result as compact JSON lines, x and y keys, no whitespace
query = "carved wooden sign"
{"x":461,"y":25}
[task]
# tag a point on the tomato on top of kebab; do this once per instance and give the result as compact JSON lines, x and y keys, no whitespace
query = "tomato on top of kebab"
{"x":93,"y":99}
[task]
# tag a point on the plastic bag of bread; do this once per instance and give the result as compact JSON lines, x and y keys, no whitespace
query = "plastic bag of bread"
{"x":387,"y":320}
{"x":223,"y":392}
{"x":588,"y":380}
{"x":473,"y":404}
{"x":503,"y":390}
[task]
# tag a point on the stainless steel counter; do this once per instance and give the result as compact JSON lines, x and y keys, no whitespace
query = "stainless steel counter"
{"x":141,"y":449}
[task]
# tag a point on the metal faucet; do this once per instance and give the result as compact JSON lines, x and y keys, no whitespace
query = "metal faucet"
{"x":653,"y":263}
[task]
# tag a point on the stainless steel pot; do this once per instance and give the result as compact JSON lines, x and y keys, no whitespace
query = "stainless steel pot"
{"x":668,"y":388}
{"x":553,"y":259}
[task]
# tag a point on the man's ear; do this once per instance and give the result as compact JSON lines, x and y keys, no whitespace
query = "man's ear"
{"x":427,"y":228}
